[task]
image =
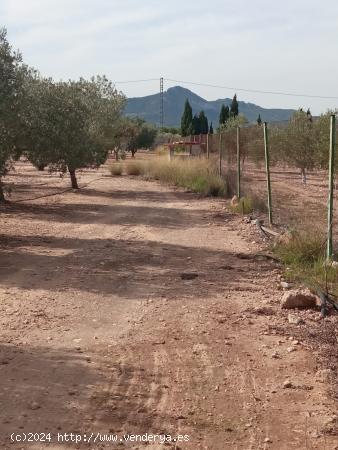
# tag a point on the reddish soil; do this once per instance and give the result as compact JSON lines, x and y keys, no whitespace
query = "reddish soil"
{"x":100,"y":333}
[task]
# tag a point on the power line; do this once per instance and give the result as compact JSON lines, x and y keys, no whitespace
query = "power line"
{"x":232,"y":88}
{"x":135,"y":81}
{"x":257,"y":91}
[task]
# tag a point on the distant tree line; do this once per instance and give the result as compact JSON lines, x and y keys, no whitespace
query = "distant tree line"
{"x":227,"y":113}
{"x":194,"y":125}
{"x":199,"y":124}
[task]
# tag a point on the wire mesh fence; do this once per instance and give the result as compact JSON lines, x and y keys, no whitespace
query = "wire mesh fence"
{"x":298,"y":165}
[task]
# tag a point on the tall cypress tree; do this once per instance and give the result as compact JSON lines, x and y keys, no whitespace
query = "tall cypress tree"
{"x":234,"y":107}
{"x":196,"y":125}
{"x":259,"y":120}
{"x":224,"y":114}
{"x":227,"y":113}
{"x":204,"y":125}
{"x":186,"y":120}
{"x":211,"y":129}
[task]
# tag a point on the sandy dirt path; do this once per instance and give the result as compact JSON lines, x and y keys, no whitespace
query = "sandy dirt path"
{"x":101,"y":334}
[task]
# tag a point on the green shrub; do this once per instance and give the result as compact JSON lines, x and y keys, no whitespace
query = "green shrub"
{"x":209,"y":186}
{"x":180,"y":149}
{"x":116,"y":169}
{"x":301,"y":249}
{"x":303,"y":254}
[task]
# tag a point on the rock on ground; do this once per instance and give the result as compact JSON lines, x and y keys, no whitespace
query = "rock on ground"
{"x":299,"y":298}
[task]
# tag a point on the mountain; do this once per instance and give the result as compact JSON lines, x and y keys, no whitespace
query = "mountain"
{"x":149,"y":108}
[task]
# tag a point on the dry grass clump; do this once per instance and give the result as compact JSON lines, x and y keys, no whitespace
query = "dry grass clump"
{"x":161,"y":150}
{"x":242,"y":206}
{"x":247,"y":204}
{"x":195,"y":174}
{"x":135,"y":168}
{"x":116,"y":169}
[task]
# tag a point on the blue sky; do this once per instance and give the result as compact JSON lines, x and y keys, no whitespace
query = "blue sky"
{"x":286,"y":46}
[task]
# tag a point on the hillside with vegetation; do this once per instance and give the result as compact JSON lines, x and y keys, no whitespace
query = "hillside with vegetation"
{"x":174,"y":98}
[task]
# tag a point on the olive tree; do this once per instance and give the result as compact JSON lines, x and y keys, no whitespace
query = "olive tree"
{"x":322,"y":133}
{"x":296,"y":143}
{"x":131,"y":134}
{"x":38,"y":120}
{"x":12,"y":73}
{"x":119,"y":135}
{"x":142,"y":135}
{"x":70,"y":122}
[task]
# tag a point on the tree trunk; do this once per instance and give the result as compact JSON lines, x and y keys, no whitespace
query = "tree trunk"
{"x":133,"y":153}
{"x":73,"y":178}
{"x":303,"y":175}
{"x":2,"y":195}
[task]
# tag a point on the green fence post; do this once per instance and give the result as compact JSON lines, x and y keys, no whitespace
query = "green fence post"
{"x":220,"y":154}
{"x":238,"y":167}
{"x":331,"y":181}
{"x":267,"y":169}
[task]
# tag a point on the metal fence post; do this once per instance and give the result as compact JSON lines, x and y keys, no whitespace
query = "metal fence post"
{"x":331,"y":182}
{"x":238,"y":167}
{"x":267,"y":169}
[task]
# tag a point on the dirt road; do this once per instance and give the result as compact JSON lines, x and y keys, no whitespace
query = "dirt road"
{"x":129,"y":307}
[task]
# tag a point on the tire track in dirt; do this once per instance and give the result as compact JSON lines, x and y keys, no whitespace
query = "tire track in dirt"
{"x":158,"y":353}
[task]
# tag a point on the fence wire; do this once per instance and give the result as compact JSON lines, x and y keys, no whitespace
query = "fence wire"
{"x":299,"y":171}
